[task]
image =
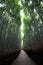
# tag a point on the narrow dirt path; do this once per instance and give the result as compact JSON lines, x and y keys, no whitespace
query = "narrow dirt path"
{"x":23,"y":59}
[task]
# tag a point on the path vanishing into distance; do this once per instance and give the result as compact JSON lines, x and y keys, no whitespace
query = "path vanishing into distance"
{"x":23,"y":59}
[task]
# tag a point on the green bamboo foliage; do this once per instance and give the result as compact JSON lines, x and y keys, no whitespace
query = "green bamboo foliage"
{"x":10,"y":23}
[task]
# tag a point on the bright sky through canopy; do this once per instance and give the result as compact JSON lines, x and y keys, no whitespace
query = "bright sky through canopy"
{"x":2,"y":5}
{"x":22,"y":27}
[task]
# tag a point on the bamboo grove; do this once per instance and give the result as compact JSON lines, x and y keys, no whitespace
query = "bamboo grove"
{"x":21,"y":23}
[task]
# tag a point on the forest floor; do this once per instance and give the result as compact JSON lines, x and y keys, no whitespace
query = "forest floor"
{"x":36,"y":56}
{"x":21,"y":57}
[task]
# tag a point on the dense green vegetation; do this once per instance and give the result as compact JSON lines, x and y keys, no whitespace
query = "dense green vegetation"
{"x":9,"y":24}
{"x":33,"y":36}
{"x":21,"y":23}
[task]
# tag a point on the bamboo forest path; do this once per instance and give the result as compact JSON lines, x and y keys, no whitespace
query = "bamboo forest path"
{"x":23,"y":59}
